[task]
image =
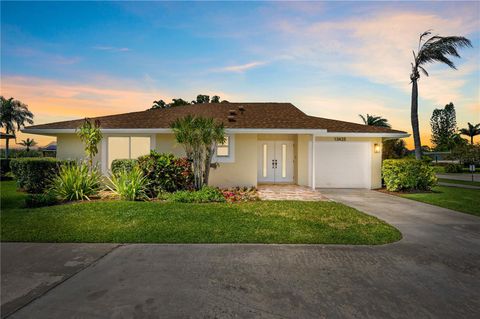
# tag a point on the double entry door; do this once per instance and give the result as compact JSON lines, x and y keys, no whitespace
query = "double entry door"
{"x":275,"y":161}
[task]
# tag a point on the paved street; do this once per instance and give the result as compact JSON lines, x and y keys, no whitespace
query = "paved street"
{"x":433,"y":272}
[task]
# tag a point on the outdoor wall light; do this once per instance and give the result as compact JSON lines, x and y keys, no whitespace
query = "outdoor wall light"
{"x":376,"y":148}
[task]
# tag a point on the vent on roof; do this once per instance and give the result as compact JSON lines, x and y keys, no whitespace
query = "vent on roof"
{"x":231,"y":118}
{"x":232,"y":112}
{"x":241,"y":108}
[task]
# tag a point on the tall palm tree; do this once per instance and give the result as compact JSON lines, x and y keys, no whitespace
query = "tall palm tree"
{"x":13,"y":116}
{"x":471,"y":131}
{"x":374,"y":120}
{"x":29,"y":142}
{"x":434,"y":49}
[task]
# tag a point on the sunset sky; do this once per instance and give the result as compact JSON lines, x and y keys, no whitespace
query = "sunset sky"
{"x":331,"y":59}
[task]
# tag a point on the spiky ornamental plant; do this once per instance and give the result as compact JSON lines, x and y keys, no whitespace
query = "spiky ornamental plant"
{"x":472,"y":130}
{"x":91,"y":136}
{"x":433,"y":49}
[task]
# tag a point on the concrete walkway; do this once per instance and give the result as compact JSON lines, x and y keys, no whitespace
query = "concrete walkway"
{"x":289,"y":192}
{"x":433,"y":272}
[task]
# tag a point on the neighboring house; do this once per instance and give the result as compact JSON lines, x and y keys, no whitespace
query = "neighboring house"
{"x":266,"y":143}
{"x":50,"y":150}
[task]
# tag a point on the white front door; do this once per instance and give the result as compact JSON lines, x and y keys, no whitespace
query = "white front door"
{"x":275,"y":161}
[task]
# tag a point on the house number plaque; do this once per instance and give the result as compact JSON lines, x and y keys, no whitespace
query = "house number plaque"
{"x":340,"y":139}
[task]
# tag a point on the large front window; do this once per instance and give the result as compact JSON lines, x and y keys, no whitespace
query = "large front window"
{"x":127,"y":147}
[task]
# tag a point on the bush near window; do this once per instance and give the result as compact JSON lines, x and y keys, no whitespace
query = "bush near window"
{"x":76,"y":182}
{"x":40,"y":200}
{"x":33,"y":174}
{"x":120,"y":165}
{"x":408,"y":175}
{"x":206,"y":194}
{"x":129,"y":184}
{"x":165,"y":172}
{"x":453,"y":168}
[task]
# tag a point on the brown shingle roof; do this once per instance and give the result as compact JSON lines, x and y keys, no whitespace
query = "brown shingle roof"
{"x":256,"y":115}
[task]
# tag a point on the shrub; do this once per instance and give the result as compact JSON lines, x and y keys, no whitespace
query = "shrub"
{"x":207,"y":194}
{"x":165,"y":172}
{"x":408,"y":174}
{"x":40,"y":200}
{"x":34,"y":174}
{"x":453,"y":168}
{"x":4,"y":167}
{"x":120,"y":165}
{"x":76,"y":182}
{"x":129,"y":184}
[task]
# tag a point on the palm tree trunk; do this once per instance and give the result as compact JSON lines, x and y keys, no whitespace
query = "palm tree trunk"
{"x":471,"y":139}
{"x":414,"y":119}
{"x":7,"y":143}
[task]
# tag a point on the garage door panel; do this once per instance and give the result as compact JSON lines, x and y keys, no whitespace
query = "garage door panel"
{"x":343,"y":164}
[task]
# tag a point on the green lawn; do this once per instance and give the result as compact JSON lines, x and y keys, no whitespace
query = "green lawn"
{"x":460,"y":199}
{"x":161,"y":222}
{"x":454,"y":181}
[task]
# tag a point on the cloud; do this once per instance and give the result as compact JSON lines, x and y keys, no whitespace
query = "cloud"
{"x":240,"y":68}
{"x":111,"y":49}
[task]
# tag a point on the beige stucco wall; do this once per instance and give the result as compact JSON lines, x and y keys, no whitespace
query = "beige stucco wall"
{"x":166,"y":143}
{"x":376,"y":158}
{"x":69,"y":146}
{"x":243,"y":172}
{"x":303,"y":159}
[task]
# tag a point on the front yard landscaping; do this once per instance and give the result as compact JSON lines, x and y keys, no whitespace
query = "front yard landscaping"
{"x":459,"y":199}
{"x":171,"y":222}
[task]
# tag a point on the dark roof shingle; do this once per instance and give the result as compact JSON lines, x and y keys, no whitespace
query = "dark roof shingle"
{"x":255,"y":115}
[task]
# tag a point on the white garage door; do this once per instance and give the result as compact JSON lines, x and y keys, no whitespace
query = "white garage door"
{"x":343,"y":164}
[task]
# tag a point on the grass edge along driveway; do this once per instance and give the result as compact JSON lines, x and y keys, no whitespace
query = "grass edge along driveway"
{"x":291,"y":222}
{"x":456,"y":198}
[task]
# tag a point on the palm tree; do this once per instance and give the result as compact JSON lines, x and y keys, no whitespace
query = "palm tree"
{"x":29,"y":142}
{"x":199,"y":137}
{"x":13,"y":116}
{"x":374,"y":120}
{"x":471,"y":131}
{"x":434,"y":49}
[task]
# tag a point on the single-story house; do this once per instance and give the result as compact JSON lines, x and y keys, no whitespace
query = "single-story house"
{"x":266,"y":143}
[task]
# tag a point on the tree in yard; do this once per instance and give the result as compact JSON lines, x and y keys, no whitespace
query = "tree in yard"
{"x":29,"y":142}
{"x":160,"y":104}
{"x":444,"y":127}
{"x":199,"y":137}
{"x":13,"y":116}
{"x":178,"y":102}
{"x":471,"y":131}
{"x":434,"y":49}
{"x":201,"y":98}
{"x":374,"y":120}
{"x":394,"y":149}
{"x":91,"y":136}
{"x":215,"y":99}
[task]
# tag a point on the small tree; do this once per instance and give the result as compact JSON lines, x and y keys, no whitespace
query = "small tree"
{"x":373,"y":120}
{"x":91,"y":136}
{"x":13,"y":116}
{"x":444,"y":127}
{"x":29,"y":142}
{"x":472,"y":130}
{"x":199,"y":137}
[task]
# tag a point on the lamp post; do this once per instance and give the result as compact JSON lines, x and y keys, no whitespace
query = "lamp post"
{"x":472,"y":170}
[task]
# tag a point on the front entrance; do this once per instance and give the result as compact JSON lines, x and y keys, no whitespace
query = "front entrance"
{"x":275,"y":161}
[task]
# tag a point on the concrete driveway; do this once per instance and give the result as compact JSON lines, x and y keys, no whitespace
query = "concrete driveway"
{"x":433,"y":272}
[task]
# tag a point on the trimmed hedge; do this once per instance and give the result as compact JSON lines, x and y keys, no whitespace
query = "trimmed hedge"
{"x":453,"y":168}
{"x":34,"y":174}
{"x":407,"y":175}
{"x":120,"y":165}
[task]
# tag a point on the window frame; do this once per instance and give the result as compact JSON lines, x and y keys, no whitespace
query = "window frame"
{"x":230,"y":158}
{"x":104,"y":148}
